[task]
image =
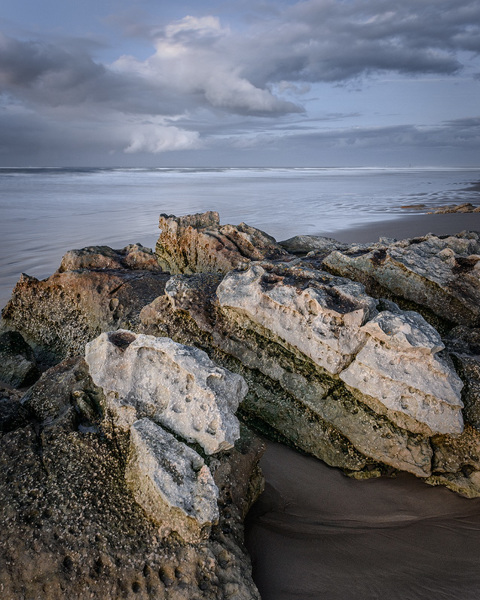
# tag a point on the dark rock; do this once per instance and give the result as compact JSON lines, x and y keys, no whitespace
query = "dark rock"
{"x":18,"y":366}
{"x":70,"y":527}
{"x":59,"y":315}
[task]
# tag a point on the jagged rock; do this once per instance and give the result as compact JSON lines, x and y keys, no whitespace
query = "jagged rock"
{"x":440,"y":273}
{"x":18,"y":366}
{"x":171,"y":482}
{"x":133,"y":256}
{"x":199,"y":244}
{"x":59,"y":315}
{"x":271,"y":323}
{"x":71,"y":528}
{"x":456,"y":462}
{"x":469,"y":369}
{"x":313,"y":311}
{"x":303,"y":244}
{"x":177,"y":386}
{"x":466,"y":207}
{"x":400,"y":367}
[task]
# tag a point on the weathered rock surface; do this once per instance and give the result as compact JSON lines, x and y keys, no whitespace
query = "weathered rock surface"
{"x":70,"y":525}
{"x":18,"y":366}
{"x":466,"y":207}
{"x":133,"y":256}
{"x":171,"y":482}
{"x":303,"y":244}
{"x":440,"y":273}
{"x":59,"y":315}
{"x":199,"y":244}
{"x":313,"y":311}
{"x":277,"y":324}
{"x":333,"y":368}
{"x":400,"y":367}
{"x":174,"y":385}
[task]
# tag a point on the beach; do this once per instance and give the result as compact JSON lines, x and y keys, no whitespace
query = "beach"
{"x":317,"y":534}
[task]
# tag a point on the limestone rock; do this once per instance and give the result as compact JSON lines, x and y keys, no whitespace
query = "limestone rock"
{"x":199,"y":244}
{"x":303,"y":244}
{"x":58,"y":315}
{"x":133,"y":256}
{"x":70,"y":527}
{"x":466,"y":207}
{"x":18,"y":366}
{"x":171,"y":482}
{"x":440,"y":273}
{"x":175,"y":385}
{"x":400,"y":367}
{"x":317,"y":313}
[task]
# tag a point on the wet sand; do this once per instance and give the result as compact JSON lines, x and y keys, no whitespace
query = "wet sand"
{"x":409,"y":226}
{"x":315,"y":534}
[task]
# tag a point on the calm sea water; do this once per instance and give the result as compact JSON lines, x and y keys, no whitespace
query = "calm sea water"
{"x":44,"y":212}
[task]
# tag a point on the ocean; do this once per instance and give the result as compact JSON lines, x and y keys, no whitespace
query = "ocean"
{"x":46,"y":211}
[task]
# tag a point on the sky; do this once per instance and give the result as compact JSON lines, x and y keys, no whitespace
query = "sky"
{"x":240,"y":83}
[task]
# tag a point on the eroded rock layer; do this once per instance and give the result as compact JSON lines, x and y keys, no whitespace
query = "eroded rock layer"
{"x":440,"y":273}
{"x":199,"y":244}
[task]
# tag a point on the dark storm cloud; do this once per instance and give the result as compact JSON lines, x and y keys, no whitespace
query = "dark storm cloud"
{"x":203,"y":74}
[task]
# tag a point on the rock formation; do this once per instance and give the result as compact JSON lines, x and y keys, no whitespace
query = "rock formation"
{"x":336,"y":362}
{"x":18,"y":366}
{"x":439,"y":273}
{"x":80,"y":514}
{"x":96,"y":289}
{"x":199,"y":244}
{"x":176,"y":386}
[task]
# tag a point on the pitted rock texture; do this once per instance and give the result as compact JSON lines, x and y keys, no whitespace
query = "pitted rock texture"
{"x":313,"y":311}
{"x":70,"y":526}
{"x":265,"y":326}
{"x":171,"y":482}
{"x":174,"y":385}
{"x":392,"y":358}
{"x":400,"y":367}
{"x":133,"y":256}
{"x":199,"y":244}
{"x":59,"y":315}
{"x":440,"y":273}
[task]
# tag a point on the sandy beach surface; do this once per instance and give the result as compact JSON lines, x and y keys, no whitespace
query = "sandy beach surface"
{"x":316,"y":534}
{"x":409,"y":226}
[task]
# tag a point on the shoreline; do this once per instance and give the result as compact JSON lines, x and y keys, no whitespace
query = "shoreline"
{"x":408,"y":226}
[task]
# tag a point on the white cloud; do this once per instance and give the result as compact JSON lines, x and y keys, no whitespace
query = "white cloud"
{"x":161,"y":138}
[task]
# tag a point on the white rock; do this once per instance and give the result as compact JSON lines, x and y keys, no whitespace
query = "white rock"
{"x":400,"y":367}
{"x":174,"y":385}
{"x":171,"y":482}
{"x":315,"y":312}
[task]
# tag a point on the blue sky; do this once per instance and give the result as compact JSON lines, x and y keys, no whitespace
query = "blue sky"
{"x":207,"y":83}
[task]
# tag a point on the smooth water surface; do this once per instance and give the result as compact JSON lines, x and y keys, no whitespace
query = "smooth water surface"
{"x":45,"y":212}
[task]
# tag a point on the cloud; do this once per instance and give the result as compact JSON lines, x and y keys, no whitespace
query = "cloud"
{"x":204,"y":73}
{"x":161,"y":138}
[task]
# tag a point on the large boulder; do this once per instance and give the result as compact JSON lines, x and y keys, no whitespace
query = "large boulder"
{"x":171,"y":482}
{"x":96,"y":289}
{"x":300,"y":337}
{"x":199,"y":244}
{"x":177,"y":386}
{"x":439,"y":273}
{"x":74,"y":526}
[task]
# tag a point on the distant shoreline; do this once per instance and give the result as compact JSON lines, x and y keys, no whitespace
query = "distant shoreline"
{"x":408,"y":227}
